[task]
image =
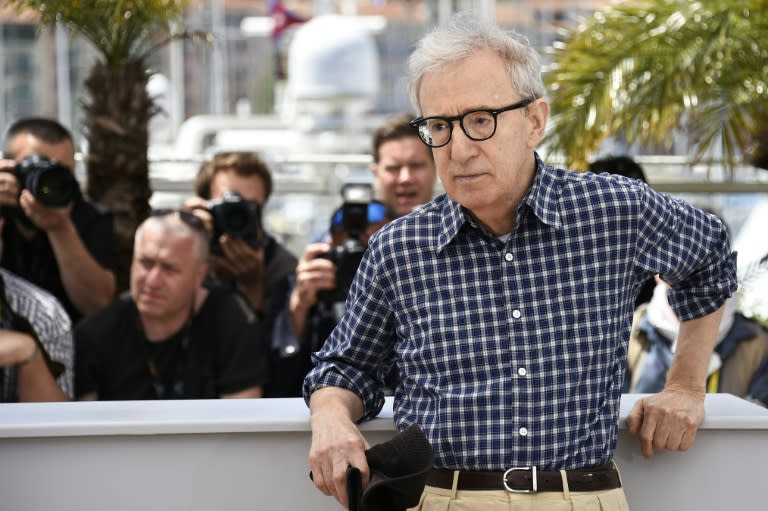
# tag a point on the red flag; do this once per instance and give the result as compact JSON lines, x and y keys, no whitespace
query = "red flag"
{"x":282,"y":17}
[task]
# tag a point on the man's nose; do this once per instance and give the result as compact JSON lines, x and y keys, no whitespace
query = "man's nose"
{"x":154,"y":275}
{"x":405,"y":173}
{"x":461,"y":146}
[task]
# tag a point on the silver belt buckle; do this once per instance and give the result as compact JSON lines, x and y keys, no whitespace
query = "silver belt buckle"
{"x":534,"y":486}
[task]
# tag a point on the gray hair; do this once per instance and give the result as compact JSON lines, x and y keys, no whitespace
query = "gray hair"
{"x":463,"y":35}
{"x":172,"y":225}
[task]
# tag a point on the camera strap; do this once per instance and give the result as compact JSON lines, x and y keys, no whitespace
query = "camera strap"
{"x":167,"y":361}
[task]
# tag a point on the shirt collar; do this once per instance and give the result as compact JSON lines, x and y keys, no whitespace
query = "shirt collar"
{"x":541,"y":198}
{"x":543,"y":195}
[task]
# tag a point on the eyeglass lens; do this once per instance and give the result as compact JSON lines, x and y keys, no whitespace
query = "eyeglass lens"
{"x":476,"y":125}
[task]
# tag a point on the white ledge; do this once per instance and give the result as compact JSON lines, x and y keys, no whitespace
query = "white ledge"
{"x":100,"y":418}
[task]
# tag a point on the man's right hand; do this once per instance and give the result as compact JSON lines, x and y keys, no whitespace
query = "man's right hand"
{"x":313,"y":273}
{"x":336,"y":443}
{"x":9,"y":185}
{"x":199,"y":207}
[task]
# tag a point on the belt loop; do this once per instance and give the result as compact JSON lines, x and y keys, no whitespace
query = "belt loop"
{"x":616,"y":468}
{"x":566,"y":489}
{"x":455,"y":484}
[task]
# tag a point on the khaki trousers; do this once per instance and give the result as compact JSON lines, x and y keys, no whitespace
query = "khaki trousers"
{"x":439,"y":499}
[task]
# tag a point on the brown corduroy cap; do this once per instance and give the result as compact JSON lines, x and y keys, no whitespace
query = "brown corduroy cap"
{"x":399,"y":469}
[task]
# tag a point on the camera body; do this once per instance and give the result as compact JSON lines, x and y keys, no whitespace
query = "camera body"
{"x":236,"y":217}
{"x":352,"y":218}
{"x":50,"y":182}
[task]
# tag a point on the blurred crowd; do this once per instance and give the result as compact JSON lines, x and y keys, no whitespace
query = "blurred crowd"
{"x":217,"y":306}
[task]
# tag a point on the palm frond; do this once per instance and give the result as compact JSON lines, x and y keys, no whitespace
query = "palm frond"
{"x":118,"y":29}
{"x":653,"y":67}
{"x":753,"y":271}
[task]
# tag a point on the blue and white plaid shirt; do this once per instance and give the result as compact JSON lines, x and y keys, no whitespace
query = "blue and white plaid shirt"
{"x":512,"y":353}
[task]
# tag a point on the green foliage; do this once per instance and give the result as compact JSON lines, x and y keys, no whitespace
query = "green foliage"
{"x":119,"y":29}
{"x":646,"y":68}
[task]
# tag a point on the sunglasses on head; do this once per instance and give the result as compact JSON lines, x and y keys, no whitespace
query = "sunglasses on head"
{"x":185,"y":216}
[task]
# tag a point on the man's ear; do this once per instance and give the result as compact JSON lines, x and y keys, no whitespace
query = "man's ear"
{"x":538,"y":114}
{"x":202,"y":272}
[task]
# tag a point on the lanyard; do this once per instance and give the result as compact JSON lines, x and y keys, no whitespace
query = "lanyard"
{"x":171,"y":388}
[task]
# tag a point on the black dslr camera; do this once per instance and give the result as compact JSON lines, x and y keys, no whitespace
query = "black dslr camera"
{"x":352,"y":218}
{"x":51,"y":183}
{"x":236,"y":217}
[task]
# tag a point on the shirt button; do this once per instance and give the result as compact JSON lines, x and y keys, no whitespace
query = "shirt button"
{"x":508,"y":257}
{"x":522,"y":371}
{"x":523,"y":431}
{"x":516,"y":314}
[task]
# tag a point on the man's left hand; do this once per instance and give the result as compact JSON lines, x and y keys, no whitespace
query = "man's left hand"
{"x":245,"y":264}
{"x":241,"y":260}
{"x":45,"y":218}
{"x":667,"y":420}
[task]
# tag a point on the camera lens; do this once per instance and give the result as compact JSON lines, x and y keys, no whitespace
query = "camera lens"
{"x":236,"y":220}
{"x":48,"y":180}
{"x":53,"y":187}
{"x":237,"y":217}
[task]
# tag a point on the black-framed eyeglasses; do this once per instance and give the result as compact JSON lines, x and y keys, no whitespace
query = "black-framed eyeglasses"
{"x":477,"y":124}
{"x":185,"y":216}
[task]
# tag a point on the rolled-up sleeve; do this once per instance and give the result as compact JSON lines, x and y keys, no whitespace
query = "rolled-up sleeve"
{"x":355,"y":356}
{"x":690,"y":250}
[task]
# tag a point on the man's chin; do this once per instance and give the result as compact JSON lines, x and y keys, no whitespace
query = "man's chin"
{"x":150,"y":307}
{"x":405,"y":206}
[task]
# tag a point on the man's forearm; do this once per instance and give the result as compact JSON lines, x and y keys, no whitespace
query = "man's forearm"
{"x":298,"y":312}
{"x":695,"y":343}
{"x":337,"y":401}
{"x":89,"y":286}
{"x":36,"y":383}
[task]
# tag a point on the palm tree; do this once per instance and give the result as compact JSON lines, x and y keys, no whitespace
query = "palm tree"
{"x":647,"y":68}
{"x":117,"y":107}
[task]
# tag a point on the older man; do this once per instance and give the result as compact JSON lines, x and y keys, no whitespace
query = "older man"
{"x":170,"y":338}
{"x":506,"y":304}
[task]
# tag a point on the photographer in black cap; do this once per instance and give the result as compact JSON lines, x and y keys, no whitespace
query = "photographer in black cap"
{"x":53,"y":237}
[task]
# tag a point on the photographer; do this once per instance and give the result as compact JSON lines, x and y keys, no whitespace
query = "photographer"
{"x":53,"y":237}
{"x":236,"y":186}
{"x":404,"y":176}
{"x":326,"y":271}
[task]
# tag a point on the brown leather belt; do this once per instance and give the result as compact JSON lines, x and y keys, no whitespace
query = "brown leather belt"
{"x":529,"y":479}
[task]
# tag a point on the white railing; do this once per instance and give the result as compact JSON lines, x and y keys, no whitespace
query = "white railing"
{"x":252,"y":454}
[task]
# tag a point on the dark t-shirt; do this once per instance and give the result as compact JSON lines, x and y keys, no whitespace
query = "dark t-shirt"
{"x":33,"y":259}
{"x":286,"y":373}
{"x":220,"y":352}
